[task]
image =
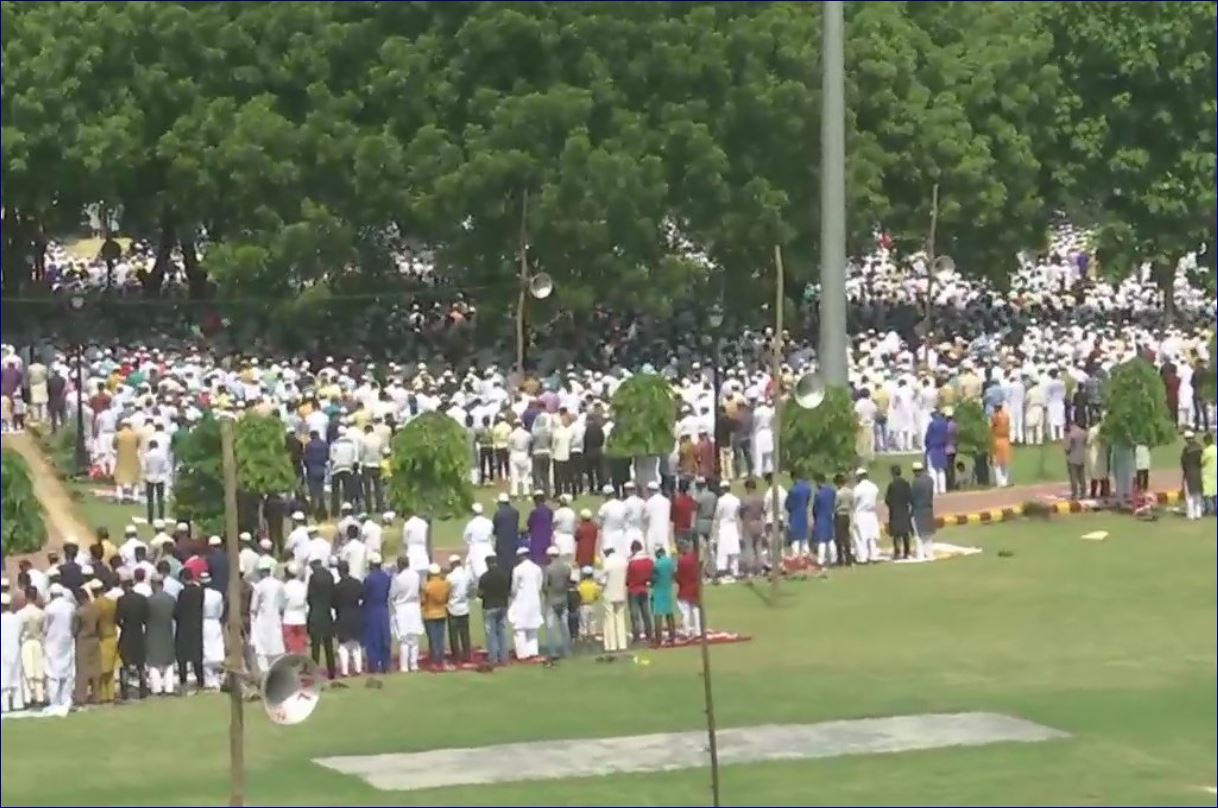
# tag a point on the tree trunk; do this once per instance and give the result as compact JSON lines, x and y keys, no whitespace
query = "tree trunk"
{"x":981,"y":469}
{"x":16,"y":255}
{"x":646,"y":470}
{"x":1122,"y":472}
{"x":154,"y":281}
{"x":196,"y":276}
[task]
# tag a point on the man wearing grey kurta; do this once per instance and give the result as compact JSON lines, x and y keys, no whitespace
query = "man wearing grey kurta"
{"x":923,"y":501}
{"x":159,"y":639}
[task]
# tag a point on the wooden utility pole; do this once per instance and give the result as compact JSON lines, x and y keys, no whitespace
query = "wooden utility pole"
{"x":930,"y":272}
{"x":708,"y":696}
{"x":236,"y":664}
{"x":524,"y":282}
{"x":776,"y":381}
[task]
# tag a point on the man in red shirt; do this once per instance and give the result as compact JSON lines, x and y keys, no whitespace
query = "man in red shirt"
{"x":689,"y":590}
{"x":586,"y":535}
{"x":638,"y":582}
{"x":683,"y":508}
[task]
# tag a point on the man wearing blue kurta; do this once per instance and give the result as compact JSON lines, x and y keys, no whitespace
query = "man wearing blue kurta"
{"x":936,"y":450}
{"x":798,"y":499}
{"x":823,"y":506}
{"x":541,"y":529}
{"x":376,"y":616}
{"x":506,"y":526}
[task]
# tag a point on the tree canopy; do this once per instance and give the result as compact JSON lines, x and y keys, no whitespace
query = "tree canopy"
{"x":429,"y":468}
{"x":625,"y":146}
{"x":22,"y":526}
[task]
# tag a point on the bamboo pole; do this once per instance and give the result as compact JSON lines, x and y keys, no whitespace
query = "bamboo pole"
{"x":236,"y":721}
{"x":776,"y":377}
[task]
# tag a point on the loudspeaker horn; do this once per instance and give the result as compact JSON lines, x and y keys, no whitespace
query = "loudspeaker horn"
{"x":809,"y":391}
{"x":291,"y":689}
{"x":541,"y":286}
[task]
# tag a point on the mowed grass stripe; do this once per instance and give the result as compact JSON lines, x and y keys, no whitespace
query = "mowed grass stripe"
{"x":1111,"y":642}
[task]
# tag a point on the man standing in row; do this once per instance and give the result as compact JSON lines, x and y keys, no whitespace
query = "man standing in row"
{"x":320,"y":622}
{"x":899,"y":501}
{"x":160,"y":639}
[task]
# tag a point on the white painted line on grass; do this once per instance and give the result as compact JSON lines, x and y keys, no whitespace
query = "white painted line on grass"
{"x":551,"y":760}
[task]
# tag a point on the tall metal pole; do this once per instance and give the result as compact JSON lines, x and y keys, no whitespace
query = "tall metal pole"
{"x":832,"y":348}
{"x":776,"y":383}
{"x":236,"y":721}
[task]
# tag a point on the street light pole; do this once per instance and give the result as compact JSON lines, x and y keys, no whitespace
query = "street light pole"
{"x":77,"y":302}
{"x":832,"y":348}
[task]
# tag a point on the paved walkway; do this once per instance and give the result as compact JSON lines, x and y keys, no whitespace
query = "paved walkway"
{"x":59,"y":514}
{"x":964,"y":502}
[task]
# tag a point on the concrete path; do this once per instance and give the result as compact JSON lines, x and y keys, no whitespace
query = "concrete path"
{"x":551,"y":760}
{"x":59,"y":511}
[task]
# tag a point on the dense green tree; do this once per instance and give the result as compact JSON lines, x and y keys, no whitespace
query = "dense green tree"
{"x":22,"y":528}
{"x":638,"y":152}
{"x":820,"y":440}
{"x":1135,"y":147}
{"x":429,"y":468}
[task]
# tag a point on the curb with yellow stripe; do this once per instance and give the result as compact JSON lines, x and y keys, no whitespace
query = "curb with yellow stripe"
{"x":1016,"y":511}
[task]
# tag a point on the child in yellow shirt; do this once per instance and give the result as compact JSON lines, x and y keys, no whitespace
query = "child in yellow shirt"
{"x":589,"y":603}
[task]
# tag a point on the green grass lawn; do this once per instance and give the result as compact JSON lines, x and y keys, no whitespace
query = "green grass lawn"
{"x":1112,"y":642}
{"x":1026,"y":470}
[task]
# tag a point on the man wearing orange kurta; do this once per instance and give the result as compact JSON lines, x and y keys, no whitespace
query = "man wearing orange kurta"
{"x":1000,"y":434}
{"x":127,"y":461}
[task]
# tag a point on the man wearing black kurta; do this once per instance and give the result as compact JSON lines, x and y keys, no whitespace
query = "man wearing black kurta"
{"x":131,"y":616}
{"x":320,"y":621}
{"x":349,"y":624}
{"x":899,"y":500}
{"x":188,"y":633}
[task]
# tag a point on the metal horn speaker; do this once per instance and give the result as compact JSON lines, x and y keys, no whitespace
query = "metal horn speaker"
{"x":809,"y":391}
{"x":541,"y":286}
{"x":291,"y":689}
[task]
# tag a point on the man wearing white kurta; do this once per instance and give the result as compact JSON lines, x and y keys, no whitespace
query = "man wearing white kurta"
{"x":633,"y":505}
{"x":657,"y":520}
{"x":612,"y":519}
{"x":11,"y":697}
{"x":407,"y":615}
{"x":213,"y":632}
{"x":865,"y":523}
{"x":479,"y":541}
{"x":266,"y":616}
{"x":1034,"y":409}
{"x":33,"y":654}
{"x":524,"y":609}
{"x":901,"y":416}
{"x":1014,"y":392}
{"x":763,"y":438}
{"x":520,"y":462}
{"x":1055,"y":405}
{"x":613,"y":596}
{"x":319,"y":548}
{"x":374,"y":534}
{"x":726,"y":532}
{"x":60,"y":644}
{"x":414,"y":540}
{"x":297,"y":542}
{"x":355,"y":553}
{"x":564,"y":528}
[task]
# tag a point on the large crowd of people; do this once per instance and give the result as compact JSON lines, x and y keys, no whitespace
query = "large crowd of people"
{"x":146,"y":614}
